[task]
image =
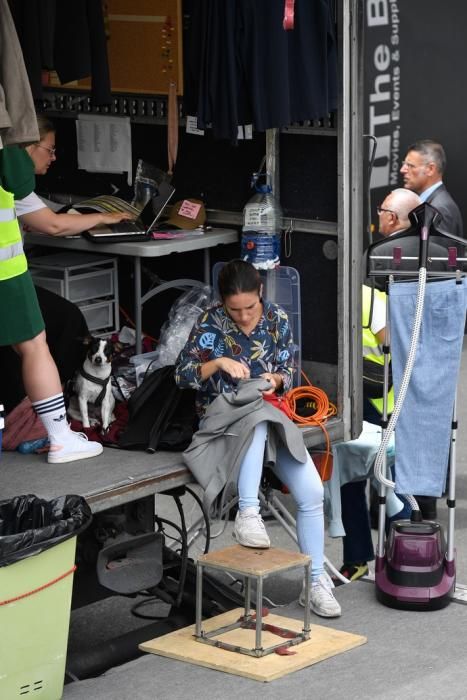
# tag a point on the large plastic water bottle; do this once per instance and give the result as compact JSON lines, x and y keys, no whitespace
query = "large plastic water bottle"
{"x":261,"y":232}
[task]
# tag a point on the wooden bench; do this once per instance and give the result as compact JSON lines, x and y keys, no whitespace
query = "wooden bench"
{"x":114,"y":478}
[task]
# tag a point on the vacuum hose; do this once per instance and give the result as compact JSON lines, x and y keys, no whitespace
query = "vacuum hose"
{"x":382,"y":478}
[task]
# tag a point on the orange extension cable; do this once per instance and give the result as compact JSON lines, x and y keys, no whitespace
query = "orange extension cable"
{"x":324,"y":410}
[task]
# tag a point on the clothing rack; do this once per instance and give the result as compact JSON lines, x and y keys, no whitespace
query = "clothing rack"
{"x":424,"y":220}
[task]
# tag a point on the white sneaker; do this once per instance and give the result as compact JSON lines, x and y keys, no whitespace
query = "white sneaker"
{"x":249,"y":529}
{"x":77,"y":446}
{"x":322,"y":600}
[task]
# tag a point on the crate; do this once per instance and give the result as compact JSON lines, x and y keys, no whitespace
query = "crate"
{"x":99,"y":315}
{"x":86,"y":279}
{"x":89,"y":285}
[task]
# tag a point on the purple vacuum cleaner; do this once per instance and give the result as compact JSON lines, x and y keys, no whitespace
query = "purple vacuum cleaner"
{"x":415,"y":566}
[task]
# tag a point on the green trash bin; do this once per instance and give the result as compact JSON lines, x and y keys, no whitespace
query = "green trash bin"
{"x":37,"y":562}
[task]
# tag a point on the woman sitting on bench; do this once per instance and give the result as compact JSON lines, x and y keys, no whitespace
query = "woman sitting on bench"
{"x":240,"y":340}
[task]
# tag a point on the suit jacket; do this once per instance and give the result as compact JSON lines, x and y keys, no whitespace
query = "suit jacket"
{"x":451,"y":217}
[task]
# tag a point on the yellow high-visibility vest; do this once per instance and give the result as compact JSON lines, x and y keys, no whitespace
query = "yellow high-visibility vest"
{"x":372,"y":350}
{"x":12,"y":258}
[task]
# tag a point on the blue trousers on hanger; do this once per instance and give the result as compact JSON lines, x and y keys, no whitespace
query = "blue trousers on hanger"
{"x":424,"y":426}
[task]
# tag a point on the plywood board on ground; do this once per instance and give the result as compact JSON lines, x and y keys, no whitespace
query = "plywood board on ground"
{"x":182,"y":645}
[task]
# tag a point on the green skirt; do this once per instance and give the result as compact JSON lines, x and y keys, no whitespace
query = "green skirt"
{"x":20,"y":314}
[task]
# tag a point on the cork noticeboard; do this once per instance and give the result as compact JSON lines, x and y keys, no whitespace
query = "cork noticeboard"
{"x":144,"y":44}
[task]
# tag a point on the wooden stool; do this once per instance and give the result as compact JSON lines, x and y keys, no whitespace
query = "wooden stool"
{"x":251,"y":564}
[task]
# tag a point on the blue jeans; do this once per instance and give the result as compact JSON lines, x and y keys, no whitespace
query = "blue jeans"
{"x":424,"y":426}
{"x":303,"y":482}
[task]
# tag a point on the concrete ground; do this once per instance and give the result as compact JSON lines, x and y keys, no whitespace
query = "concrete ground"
{"x":408,"y":654}
{"x":411,"y":655}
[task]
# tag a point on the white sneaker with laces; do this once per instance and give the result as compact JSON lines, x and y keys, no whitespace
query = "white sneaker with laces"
{"x":322,"y":601}
{"x":76,"y":446}
{"x":249,"y":529}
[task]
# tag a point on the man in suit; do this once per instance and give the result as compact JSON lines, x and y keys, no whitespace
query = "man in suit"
{"x":422,"y":170}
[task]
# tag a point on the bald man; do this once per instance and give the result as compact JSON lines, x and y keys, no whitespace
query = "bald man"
{"x":394,"y":211}
{"x":422,"y":170}
{"x":393,"y":216}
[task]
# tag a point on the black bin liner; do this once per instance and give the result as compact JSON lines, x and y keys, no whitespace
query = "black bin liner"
{"x":30,"y":525}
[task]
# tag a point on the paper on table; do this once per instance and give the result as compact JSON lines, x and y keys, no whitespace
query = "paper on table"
{"x":108,"y":203}
{"x":104,"y":144}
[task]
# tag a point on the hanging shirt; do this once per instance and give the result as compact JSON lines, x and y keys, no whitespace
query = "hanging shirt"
{"x":268,"y":348}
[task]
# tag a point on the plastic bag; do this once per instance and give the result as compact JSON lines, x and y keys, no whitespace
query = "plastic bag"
{"x":147,"y":181}
{"x":175,"y":331}
{"x":30,"y":525}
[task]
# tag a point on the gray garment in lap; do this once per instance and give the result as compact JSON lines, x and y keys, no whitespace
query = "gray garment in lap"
{"x":218,"y":448}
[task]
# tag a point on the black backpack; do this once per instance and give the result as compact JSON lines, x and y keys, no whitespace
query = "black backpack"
{"x":160,"y":415}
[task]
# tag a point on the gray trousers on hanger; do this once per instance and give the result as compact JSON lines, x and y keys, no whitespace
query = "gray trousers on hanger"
{"x":424,"y":425}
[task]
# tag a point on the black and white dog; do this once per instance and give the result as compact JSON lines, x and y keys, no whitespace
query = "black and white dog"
{"x":93,"y":385}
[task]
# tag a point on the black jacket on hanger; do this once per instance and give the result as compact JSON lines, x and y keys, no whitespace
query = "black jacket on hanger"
{"x":66,"y":36}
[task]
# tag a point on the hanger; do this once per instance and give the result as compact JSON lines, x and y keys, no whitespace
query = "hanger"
{"x":423,"y":243}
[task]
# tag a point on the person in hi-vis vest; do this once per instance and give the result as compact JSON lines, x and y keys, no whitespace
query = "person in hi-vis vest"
{"x":358,"y":544}
{"x":21,"y":323}
{"x":373,"y":335}
{"x":393,"y":216}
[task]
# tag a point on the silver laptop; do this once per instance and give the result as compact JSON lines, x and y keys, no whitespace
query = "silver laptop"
{"x":127,"y":231}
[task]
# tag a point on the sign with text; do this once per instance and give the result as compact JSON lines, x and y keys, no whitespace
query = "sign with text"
{"x":412,"y":88}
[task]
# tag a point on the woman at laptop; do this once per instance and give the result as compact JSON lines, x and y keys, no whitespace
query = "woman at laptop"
{"x":35,"y":214}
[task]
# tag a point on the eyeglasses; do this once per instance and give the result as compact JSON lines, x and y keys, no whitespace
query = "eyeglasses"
{"x":413,"y":166}
{"x":51,"y":151}
{"x":389,"y":211}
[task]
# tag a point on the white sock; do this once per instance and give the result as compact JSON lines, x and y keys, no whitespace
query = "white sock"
{"x":52,"y":413}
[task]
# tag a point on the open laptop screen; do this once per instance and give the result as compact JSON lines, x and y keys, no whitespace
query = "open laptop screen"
{"x":134,"y":230}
